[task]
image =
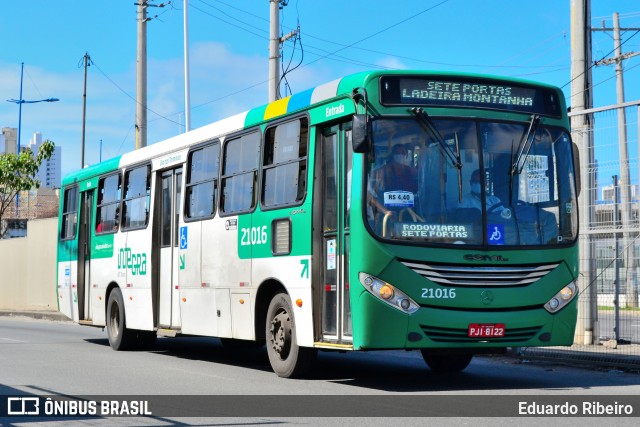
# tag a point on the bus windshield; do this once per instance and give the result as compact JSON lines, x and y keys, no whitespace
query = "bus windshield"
{"x":474,"y":182}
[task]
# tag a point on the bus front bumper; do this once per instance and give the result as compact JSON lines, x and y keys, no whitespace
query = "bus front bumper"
{"x":382,"y":327}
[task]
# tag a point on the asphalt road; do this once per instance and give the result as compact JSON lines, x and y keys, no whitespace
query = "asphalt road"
{"x":45,"y":358}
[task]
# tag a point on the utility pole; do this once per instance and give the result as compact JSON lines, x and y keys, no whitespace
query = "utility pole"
{"x":187,"y":102}
{"x":87,"y":58}
{"x":581,"y":125}
{"x":141,"y":73}
{"x":274,"y":47}
{"x":141,"y":76}
{"x":625,"y":194}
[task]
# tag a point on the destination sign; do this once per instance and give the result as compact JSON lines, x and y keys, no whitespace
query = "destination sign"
{"x":464,"y":92}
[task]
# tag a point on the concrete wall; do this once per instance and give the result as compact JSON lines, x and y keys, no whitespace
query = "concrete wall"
{"x":28,"y":268}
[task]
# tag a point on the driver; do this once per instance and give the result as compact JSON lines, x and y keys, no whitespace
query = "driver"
{"x":474,"y":198}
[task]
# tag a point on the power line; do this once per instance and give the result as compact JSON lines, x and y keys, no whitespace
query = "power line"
{"x":265,"y":37}
{"x":230,"y":23}
{"x":380,"y":31}
{"x":333,"y":55}
{"x":127,"y":94}
{"x":33,"y":83}
{"x":601,"y":59}
{"x":328,"y":54}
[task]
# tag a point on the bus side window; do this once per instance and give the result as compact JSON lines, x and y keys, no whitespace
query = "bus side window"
{"x":202,"y":181}
{"x":137,"y":194}
{"x":69,"y":213}
{"x":108,"y":206}
{"x":285,"y":164}
{"x":240,"y":173}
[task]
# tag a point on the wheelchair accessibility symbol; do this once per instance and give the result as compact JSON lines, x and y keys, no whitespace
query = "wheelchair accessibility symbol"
{"x":495,"y":234}
{"x":183,"y":237}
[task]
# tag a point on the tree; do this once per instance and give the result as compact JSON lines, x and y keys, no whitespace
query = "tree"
{"x":18,"y":173}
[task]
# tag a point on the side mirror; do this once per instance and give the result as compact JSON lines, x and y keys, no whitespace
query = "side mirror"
{"x":360,"y":133}
{"x":576,"y":167}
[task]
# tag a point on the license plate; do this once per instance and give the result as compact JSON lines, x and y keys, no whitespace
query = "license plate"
{"x":486,"y":330}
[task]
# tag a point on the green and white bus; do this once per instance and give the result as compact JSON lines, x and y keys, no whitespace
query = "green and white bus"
{"x":383,"y":210}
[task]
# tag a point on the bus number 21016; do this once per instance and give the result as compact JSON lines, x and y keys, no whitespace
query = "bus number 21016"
{"x":254,"y":236}
{"x":438,"y":293}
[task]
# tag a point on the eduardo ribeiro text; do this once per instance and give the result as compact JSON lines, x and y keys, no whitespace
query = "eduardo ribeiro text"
{"x":566,"y":408}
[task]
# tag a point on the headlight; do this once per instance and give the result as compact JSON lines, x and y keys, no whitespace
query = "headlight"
{"x":388,"y":293}
{"x":562,"y":298}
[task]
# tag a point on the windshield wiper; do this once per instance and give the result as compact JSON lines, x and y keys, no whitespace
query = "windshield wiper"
{"x":524,"y":146}
{"x":427,"y":124}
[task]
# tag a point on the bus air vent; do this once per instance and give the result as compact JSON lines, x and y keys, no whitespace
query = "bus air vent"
{"x":467,"y":275}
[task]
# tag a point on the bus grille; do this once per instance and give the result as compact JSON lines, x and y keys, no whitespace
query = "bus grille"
{"x":457,"y":275}
{"x":452,"y":335}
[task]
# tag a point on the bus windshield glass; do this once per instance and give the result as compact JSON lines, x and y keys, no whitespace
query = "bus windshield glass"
{"x":513,"y":185}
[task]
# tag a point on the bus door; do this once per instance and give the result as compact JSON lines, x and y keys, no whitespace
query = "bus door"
{"x":334,"y":203}
{"x":84,"y":255}
{"x":170,"y":190}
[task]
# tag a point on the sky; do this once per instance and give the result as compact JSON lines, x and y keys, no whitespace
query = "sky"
{"x":228,"y":50}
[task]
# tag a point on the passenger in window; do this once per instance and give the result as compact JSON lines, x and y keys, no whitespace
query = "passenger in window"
{"x":393,"y":186}
{"x":116,"y":219}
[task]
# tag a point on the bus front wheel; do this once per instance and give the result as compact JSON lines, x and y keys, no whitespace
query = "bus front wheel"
{"x":287,"y":359}
{"x":120,"y":338}
{"x":446,"y":363}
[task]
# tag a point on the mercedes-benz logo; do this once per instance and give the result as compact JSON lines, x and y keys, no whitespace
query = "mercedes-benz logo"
{"x":486,"y":297}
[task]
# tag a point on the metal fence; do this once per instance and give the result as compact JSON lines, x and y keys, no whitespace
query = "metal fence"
{"x":608,"y":329}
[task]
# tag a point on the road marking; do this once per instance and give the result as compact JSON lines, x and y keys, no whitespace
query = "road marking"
{"x":9,"y":339}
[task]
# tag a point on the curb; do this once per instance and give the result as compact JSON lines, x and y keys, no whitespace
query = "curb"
{"x":593,"y":357}
{"x":44,"y":315}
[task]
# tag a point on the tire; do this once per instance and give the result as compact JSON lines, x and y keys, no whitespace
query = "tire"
{"x":120,"y":338}
{"x":446,"y":363}
{"x":287,"y":359}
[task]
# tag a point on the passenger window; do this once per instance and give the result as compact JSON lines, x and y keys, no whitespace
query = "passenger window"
{"x":285,"y":164}
{"x":202,"y":182}
{"x":137,"y":197}
{"x":240,"y":173}
{"x":69,"y":214}
{"x":107,"y":211}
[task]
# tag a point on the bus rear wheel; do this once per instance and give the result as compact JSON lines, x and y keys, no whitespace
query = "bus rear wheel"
{"x":287,"y":359}
{"x":120,"y":338}
{"x":446,"y":363}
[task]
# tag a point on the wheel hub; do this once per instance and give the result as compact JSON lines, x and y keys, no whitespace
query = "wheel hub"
{"x":281,"y":333}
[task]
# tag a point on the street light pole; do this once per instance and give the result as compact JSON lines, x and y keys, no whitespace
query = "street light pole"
{"x":20,"y":108}
{"x":23,"y":101}
{"x":20,"y":102}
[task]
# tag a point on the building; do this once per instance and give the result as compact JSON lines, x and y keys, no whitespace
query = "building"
{"x":35,"y":203}
{"x":32,"y":204}
{"x":49,"y":174}
{"x":608,"y":193}
{"x":9,"y":140}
